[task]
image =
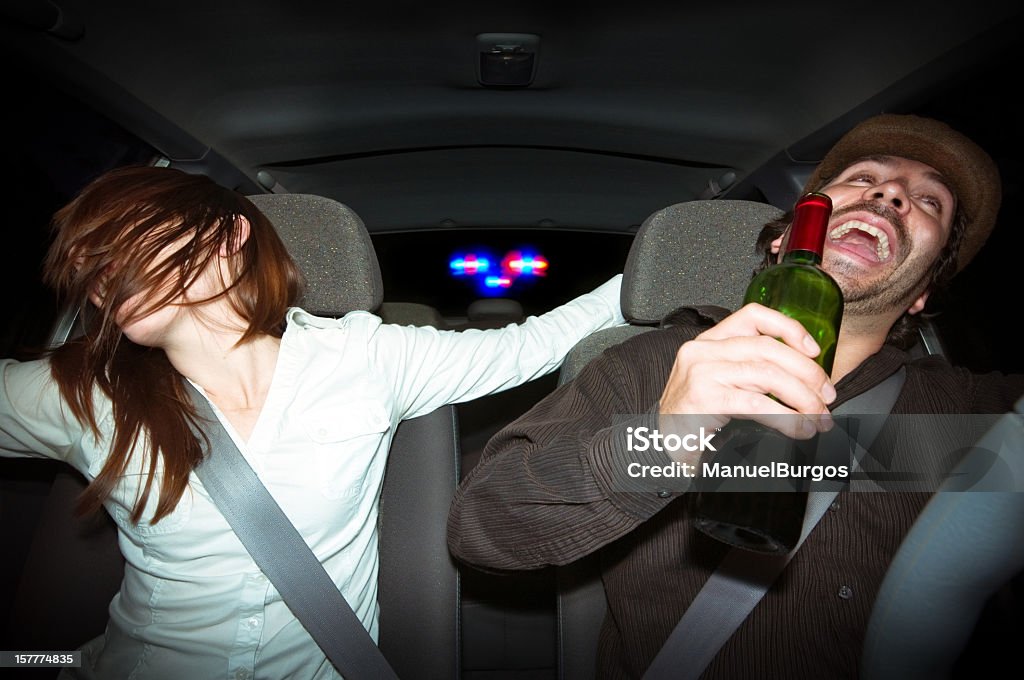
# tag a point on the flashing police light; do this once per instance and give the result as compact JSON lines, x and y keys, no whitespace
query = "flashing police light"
{"x":497,"y":282}
{"x":525,"y":265}
{"x":469,"y":265}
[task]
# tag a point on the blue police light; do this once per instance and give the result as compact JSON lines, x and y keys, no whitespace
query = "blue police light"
{"x":480,"y":267}
{"x":497,"y":282}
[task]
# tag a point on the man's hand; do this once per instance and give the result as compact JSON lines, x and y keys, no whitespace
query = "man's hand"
{"x":730,"y":370}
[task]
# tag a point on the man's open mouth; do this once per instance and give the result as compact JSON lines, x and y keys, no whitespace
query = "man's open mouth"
{"x":869,"y":241}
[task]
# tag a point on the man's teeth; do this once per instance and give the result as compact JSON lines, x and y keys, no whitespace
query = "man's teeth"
{"x":881,"y":238}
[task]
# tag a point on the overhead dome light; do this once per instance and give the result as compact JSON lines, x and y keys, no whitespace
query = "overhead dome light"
{"x":506,"y":59}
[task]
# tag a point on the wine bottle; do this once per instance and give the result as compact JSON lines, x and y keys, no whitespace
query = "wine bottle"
{"x":771,"y":520}
{"x":797,"y":286}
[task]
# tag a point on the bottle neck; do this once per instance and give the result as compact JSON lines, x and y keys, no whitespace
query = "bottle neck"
{"x":807,"y":233}
{"x":801,"y":256}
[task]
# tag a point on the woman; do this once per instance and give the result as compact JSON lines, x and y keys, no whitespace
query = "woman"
{"x":182,"y":279}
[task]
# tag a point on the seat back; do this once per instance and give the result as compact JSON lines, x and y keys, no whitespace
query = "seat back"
{"x":419,"y":583}
{"x":74,"y":566}
{"x":699,"y":252}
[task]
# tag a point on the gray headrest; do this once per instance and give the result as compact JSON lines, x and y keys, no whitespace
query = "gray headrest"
{"x":332,"y":247}
{"x":699,"y":252}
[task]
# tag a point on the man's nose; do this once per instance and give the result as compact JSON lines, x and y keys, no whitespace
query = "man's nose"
{"x":892,"y":193}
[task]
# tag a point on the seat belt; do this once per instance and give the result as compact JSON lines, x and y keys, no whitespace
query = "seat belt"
{"x":743,"y":576}
{"x":282,"y":554}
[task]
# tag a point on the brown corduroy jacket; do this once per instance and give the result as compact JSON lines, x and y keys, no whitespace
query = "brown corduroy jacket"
{"x":543,"y":495}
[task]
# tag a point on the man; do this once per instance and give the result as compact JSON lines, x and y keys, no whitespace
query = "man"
{"x":913,"y":202}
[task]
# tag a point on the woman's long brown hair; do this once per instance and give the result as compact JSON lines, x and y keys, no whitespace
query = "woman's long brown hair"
{"x":151,"y":232}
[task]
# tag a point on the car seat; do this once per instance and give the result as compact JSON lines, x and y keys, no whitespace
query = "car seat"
{"x":74,"y":567}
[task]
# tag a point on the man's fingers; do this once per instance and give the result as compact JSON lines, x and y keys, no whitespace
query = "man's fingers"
{"x":754,"y":319}
{"x":775,"y":415}
{"x":757,"y":363}
{"x":743,"y":388}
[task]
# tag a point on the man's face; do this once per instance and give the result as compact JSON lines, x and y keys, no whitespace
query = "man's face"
{"x":891,"y":219}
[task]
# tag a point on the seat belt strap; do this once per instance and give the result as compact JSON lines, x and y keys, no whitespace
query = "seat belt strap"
{"x":282,"y":554}
{"x":743,"y":576}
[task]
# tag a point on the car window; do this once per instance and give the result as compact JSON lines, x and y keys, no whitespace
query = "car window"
{"x":539,"y":268}
{"x":59,"y":144}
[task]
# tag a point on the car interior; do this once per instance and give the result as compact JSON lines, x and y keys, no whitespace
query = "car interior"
{"x":470,"y":165}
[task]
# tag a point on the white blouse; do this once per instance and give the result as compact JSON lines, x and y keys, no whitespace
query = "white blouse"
{"x":193,"y":604}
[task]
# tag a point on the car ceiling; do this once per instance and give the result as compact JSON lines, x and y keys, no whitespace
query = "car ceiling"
{"x":634,"y":105}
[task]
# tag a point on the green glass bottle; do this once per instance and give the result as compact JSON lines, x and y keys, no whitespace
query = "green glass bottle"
{"x":767,"y":516}
{"x":797,"y":286}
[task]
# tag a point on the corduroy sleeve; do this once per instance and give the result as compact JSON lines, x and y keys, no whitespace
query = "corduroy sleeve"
{"x":550,"y":488}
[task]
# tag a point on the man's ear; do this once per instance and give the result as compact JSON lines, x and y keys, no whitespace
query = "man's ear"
{"x":919,"y":303}
{"x":777,"y":245}
{"x":242,"y":230}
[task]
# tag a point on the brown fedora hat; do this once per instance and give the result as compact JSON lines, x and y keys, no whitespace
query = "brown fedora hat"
{"x":970,"y":172}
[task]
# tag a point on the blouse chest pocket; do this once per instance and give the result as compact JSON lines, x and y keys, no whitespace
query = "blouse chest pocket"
{"x":169,"y":524}
{"x":127,"y":491}
{"x":346,"y":440}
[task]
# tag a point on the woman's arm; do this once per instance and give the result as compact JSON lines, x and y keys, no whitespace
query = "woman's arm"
{"x":429,"y":368}
{"x":33,"y":418}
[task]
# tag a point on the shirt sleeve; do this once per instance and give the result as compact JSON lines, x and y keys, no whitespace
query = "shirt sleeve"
{"x":33,"y":420}
{"x":429,"y":368}
{"x":550,"y":488}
